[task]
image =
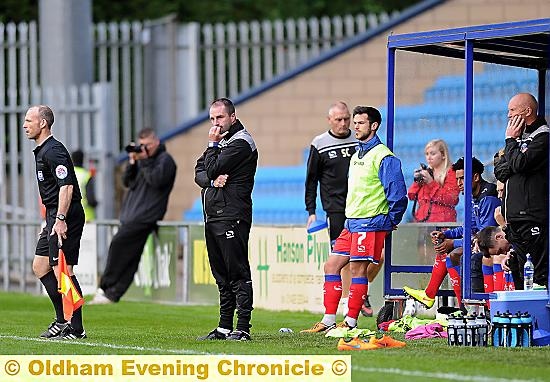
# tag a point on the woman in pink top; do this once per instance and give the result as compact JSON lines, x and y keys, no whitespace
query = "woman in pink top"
{"x":435,"y":190}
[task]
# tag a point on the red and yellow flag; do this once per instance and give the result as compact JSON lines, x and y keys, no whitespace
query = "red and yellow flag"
{"x":72,"y":300}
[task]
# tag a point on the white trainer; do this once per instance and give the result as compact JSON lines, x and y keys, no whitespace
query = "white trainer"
{"x":100,"y":298}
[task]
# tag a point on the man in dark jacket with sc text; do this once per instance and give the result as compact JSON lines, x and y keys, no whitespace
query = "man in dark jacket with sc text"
{"x":149,"y":176}
{"x":225,"y":172}
{"x":523,"y":167}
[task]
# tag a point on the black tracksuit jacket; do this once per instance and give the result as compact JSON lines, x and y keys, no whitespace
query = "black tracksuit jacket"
{"x":236,"y":156}
{"x":523,"y":167}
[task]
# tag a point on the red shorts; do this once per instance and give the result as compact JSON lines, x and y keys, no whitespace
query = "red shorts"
{"x":360,"y":245}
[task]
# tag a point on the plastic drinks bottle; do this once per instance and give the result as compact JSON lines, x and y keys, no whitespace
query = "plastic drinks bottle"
{"x":527,"y":327}
{"x":497,"y":330}
{"x":470,"y":331}
{"x":451,"y":330}
{"x":461,"y":330}
{"x":528,"y":271}
{"x":505,"y":320}
{"x":481,"y":323}
{"x":515,"y":330}
{"x":508,"y":281}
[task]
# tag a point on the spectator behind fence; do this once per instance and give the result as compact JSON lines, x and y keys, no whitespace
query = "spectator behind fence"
{"x":86,"y":184}
{"x":375,"y":204}
{"x":225,"y":172}
{"x":449,"y":244}
{"x":434,"y":190}
{"x":523,"y":166}
{"x":64,"y":219}
{"x":328,"y":165}
{"x":149,"y":176}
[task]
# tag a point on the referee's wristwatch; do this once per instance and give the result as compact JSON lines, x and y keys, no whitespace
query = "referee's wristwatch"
{"x":60,"y":217}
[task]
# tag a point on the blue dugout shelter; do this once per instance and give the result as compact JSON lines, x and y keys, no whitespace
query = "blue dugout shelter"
{"x":523,"y":44}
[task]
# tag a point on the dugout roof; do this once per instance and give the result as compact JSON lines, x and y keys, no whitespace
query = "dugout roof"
{"x":523,"y":44}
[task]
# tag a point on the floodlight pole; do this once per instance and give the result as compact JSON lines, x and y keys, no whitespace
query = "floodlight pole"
{"x":65,"y":29}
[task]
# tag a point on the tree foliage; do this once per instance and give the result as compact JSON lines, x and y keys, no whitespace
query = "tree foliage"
{"x":18,"y":10}
{"x":209,"y":11}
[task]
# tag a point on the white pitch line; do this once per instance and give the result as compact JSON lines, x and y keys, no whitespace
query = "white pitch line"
{"x":110,"y":346}
{"x":410,"y":373}
{"x":449,"y":376}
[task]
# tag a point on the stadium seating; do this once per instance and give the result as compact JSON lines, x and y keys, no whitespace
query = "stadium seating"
{"x":278,"y":196}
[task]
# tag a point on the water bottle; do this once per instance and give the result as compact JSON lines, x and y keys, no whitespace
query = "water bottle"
{"x":461,"y":330}
{"x":515,"y":330}
{"x":451,"y":330}
{"x":528,"y":270}
{"x":471,"y":330}
{"x":508,"y":281}
{"x":527,"y":329}
{"x":497,"y":330}
{"x":481,"y":323}
{"x":505,"y":319}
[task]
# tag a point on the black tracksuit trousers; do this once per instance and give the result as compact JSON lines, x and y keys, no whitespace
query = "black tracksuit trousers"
{"x":227,"y":245}
{"x":532,"y":238}
{"x":123,"y":258}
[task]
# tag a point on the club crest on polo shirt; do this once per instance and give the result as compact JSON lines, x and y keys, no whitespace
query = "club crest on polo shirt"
{"x":61,"y":172}
{"x":40,"y":175}
{"x":523,"y":147}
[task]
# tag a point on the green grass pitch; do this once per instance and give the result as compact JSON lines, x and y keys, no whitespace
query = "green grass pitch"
{"x":143,"y":328}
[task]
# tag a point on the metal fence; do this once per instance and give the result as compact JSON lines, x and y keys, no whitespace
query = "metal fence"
{"x":168,"y":266}
{"x":163,"y":72}
{"x":83,"y":120}
{"x":157,"y":73}
{"x":237,"y":57}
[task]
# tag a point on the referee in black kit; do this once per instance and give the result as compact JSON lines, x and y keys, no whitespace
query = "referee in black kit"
{"x":60,"y":194}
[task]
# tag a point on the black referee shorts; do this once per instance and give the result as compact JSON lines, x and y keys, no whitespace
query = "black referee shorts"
{"x":47,"y":244}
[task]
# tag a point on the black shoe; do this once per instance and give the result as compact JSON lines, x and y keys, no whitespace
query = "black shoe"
{"x":54,"y":329}
{"x":213,"y":335}
{"x":70,"y":333}
{"x":238,"y":335}
{"x":366,"y":309}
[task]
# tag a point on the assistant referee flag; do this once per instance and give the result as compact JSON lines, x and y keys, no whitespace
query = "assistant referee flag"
{"x":72,"y":300}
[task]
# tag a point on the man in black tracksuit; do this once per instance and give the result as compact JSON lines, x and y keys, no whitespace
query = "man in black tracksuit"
{"x":328,"y":165}
{"x":523,"y":167}
{"x":149,"y":176}
{"x":225,"y":172}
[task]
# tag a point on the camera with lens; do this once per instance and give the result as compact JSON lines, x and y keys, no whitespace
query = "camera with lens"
{"x":418,"y":175}
{"x":133,"y":148}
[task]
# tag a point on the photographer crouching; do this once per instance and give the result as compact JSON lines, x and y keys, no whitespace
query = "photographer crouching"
{"x":434,"y":190}
{"x":149,"y":177}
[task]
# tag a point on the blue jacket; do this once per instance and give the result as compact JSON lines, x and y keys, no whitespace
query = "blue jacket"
{"x":392,"y":179}
{"x":483,"y":213}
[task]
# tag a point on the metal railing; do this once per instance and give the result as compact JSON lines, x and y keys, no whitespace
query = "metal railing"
{"x":166,"y":266}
